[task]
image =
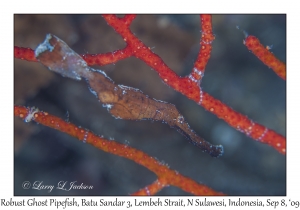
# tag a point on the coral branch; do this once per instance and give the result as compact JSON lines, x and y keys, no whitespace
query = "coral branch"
{"x":263,"y":54}
{"x":91,"y":59}
{"x":107,"y":58}
{"x":24,"y":53}
{"x":127,"y":19}
{"x":207,"y":38}
{"x":153,"y":188}
{"x":243,"y":124}
{"x":162,"y":171}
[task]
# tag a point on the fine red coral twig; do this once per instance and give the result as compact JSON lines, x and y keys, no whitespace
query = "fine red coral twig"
{"x":207,"y":38}
{"x":165,"y":175}
{"x":264,"y":54}
{"x":153,"y":188}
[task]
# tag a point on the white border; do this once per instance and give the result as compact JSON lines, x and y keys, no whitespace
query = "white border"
{"x":8,"y":8}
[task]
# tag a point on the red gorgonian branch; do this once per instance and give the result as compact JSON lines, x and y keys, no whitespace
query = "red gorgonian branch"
{"x":264,"y":54}
{"x":165,"y":175}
